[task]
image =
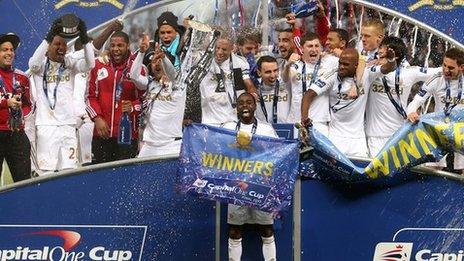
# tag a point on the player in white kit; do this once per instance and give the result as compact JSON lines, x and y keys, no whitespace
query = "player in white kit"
{"x":273,"y":94}
{"x":165,"y":104}
{"x":388,"y":94}
{"x":227,"y":78}
{"x":303,"y":72}
{"x":446,"y":88}
{"x":53,"y":73}
{"x":346,"y":128}
{"x":237,"y":216}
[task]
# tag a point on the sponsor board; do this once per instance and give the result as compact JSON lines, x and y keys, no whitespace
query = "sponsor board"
{"x":389,"y":251}
{"x":71,"y":242}
{"x":240,"y":190}
{"x":425,"y":244}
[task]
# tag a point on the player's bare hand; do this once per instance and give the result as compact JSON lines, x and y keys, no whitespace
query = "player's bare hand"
{"x":294,"y":57}
{"x":391,"y":56}
{"x":186,"y":21}
{"x":104,"y":57}
{"x":126,"y":106}
{"x":102,"y":128}
{"x":116,"y":25}
{"x":144,"y":43}
{"x":186,"y":122}
{"x":306,"y":122}
{"x":14,"y":102}
{"x":353,"y":92}
{"x":320,"y":9}
{"x":336,"y":52}
{"x":159,"y":54}
{"x":290,"y":19}
{"x":413,"y":117}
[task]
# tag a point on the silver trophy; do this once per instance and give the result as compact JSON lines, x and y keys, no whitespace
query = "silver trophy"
{"x":200,"y":70}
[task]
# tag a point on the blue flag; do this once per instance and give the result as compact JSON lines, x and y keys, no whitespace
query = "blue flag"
{"x":214,"y":166}
{"x":305,"y":10}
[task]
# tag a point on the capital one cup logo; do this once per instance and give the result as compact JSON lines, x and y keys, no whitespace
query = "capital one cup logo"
{"x":95,"y":3}
{"x":393,"y":251}
{"x":436,"y":4}
{"x":67,"y":251}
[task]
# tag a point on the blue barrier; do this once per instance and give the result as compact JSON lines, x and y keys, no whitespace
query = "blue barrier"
{"x":133,"y":207}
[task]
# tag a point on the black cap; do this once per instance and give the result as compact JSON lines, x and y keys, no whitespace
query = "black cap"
{"x":168,"y":18}
{"x":10,"y":37}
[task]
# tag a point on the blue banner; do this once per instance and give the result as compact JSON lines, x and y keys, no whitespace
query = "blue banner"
{"x":428,"y":140}
{"x":261,"y":175}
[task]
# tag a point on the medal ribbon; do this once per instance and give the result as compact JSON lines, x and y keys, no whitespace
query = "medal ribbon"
{"x":335,"y":110}
{"x":119,"y":86}
{"x":253,"y":128}
{"x":275,"y":102}
{"x":448,"y":108}
{"x":45,"y":83}
{"x":397,"y":104}
{"x":313,"y":75}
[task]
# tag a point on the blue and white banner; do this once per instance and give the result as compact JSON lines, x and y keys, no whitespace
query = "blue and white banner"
{"x":428,"y":140}
{"x":260,"y":175}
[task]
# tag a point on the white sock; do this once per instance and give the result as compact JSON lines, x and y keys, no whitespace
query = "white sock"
{"x":235,"y":249}
{"x":269,"y":248}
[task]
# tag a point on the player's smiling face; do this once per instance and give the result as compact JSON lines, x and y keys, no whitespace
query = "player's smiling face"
{"x":57,"y":49}
{"x":286,"y":46}
{"x":312,"y":51}
{"x":334,"y":41}
{"x":223,"y":50}
{"x":451,"y":69}
{"x":269,"y":72}
{"x":246,"y":107}
{"x":7,"y":55}
{"x":119,"y":49}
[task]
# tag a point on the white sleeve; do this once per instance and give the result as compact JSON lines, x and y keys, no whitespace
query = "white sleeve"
{"x":372,"y":73}
{"x":420,"y":74}
{"x":424,"y":93}
{"x":96,"y":51}
{"x":323,"y":84}
{"x":169,"y":69}
{"x":36,"y":62}
{"x":137,"y":78}
{"x":243,"y":64}
{"x":83,"y":65}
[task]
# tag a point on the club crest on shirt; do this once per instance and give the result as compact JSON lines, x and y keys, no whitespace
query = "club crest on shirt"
{"x":102,"y":74}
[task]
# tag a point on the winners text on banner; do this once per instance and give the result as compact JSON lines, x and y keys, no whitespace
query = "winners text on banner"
{"x":259,"y":175}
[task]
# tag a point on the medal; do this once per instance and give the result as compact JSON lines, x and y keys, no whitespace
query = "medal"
{"x":447,"y":119}
{"x":243,"y":138}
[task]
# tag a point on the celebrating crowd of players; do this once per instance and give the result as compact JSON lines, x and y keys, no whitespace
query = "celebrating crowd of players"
{"x":73,"y":103}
